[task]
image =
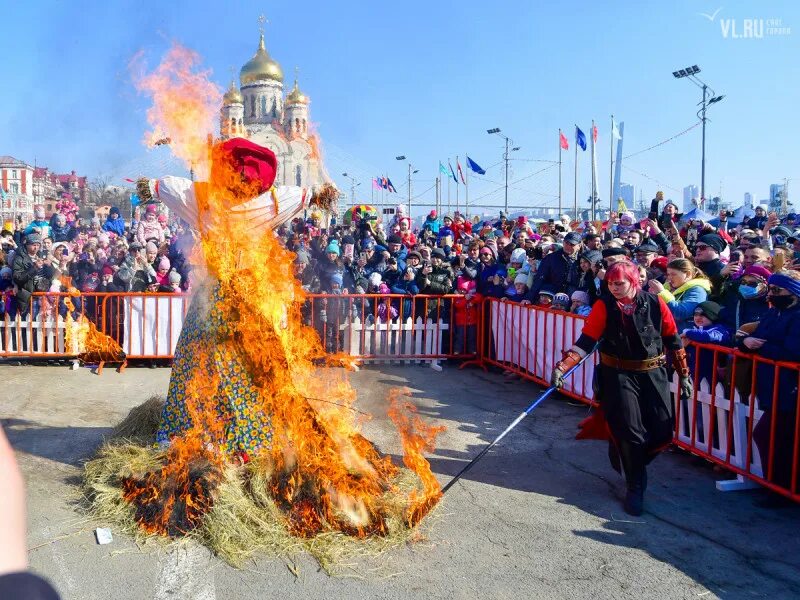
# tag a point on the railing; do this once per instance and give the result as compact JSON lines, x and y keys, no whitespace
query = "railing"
{"x":743,"y":414}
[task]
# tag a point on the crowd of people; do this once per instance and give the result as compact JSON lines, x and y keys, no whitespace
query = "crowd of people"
{"x":142,"y":254}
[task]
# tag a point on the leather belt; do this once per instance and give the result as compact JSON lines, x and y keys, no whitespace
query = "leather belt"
{"x":622,"y":364}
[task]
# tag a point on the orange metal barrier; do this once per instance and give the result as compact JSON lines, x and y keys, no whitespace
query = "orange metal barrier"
{"x":743,"y":414}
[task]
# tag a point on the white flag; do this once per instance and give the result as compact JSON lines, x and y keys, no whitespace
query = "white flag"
{"x":614,"y":131}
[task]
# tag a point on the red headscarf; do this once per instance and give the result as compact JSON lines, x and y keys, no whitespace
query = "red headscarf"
{"x":256,"y":165}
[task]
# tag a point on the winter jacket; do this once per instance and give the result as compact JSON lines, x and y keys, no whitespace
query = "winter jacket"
{"x":557,"y":270}
{"x":467,"y":312}
{"x":485,"y":281}
{"x":737,"y":311}
{"x":685,"y":299}
{"x":781,"y":329}
{"x":24,"y":272}
{"x":715,"y":334}
{"x":115,"y":225}
{"x":431,"y":224}
{"x":437,"y":280}
{"x":149,"y":231}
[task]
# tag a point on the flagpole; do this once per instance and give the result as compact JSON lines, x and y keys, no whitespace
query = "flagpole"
{"x":611,"y":172}
{"x":559,"y":172}
{"x":448,"y":194}
{"x":466,"y":191}
{"x":594,"y":174}
{"x":575,"y":199}
{"x":457,"y":186}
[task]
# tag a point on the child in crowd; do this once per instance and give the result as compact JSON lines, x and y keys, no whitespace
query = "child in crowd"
{"x":518,"y":291}
{"x":705,"y":331}
{"x":580,"y":304}
{"x":466,"y":313}
{"x":545,"y":298}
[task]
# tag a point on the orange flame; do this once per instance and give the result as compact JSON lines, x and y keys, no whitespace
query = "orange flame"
{"x":325,"y":474}
{"x":185,"y":105}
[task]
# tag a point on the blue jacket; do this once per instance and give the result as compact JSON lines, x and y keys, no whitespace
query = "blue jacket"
{"x":781,"y":329}
{"x":485,"y":283}
{"x":716,"y":334}
{"x":114,"y":225}
{"x":431,"y":225}
{"x":685,"y":299}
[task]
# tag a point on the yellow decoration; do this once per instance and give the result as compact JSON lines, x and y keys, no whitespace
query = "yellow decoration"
{"x":232,"y":96}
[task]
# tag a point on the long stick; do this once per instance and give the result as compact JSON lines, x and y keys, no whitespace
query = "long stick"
{"x":522,"y":415}
{"x":575,"y":199}
{"x":559,"y":172}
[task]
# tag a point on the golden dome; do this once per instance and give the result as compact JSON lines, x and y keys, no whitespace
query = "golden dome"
{"x":232,"y":96}
{"x":296,"y":96}
{"x":260,"y":67}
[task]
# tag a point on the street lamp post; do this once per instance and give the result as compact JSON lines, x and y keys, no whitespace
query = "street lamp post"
{"x":411,"y":171}
{"x":354,"y":183}
{"x":691,"y":74}
{"x":508,"y":140}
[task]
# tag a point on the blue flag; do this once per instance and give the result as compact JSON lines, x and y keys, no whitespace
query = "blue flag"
{"x":580,"y":138}
{"x":475,"y":167}
{"x":390,"y":186}
{"x":2,"y":193}
{"x":452,"y":173}
{"x":135,"y":200}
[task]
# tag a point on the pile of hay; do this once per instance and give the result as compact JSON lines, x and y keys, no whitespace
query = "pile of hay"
{"x":244,"y":521}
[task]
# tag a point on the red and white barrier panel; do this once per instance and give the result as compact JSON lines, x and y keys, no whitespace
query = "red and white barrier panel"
{"x":529,"y":341}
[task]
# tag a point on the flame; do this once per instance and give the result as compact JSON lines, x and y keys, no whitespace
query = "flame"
{"x":325,"y":475}
{"x":84,"y":340}
{"x":185,"y":105}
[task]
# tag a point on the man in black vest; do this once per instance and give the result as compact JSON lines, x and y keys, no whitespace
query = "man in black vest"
{"x":633,"y":328}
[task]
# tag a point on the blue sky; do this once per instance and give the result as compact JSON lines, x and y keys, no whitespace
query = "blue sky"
{"x":426,"y":79}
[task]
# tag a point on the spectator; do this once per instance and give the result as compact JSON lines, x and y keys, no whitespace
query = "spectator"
{"x":777,"y":337}
{"x":114,"y":222}
{"x":706,"y":330}
{"x":25,"y":270}
{"x":581,"y":304}
{"x":438,"y":278}
{"x":466,"y":315}
{"x":60,"y":230}
{"x":687,"y":286}
{"x":559,"y":269}
{"x":560,"y":302}
{"x":707,"y":251}
{"x":39,"y":224}
{"x":757,"y":222}
{"x":545,"y":298}
{"x":431,"y":223}
{"x":149,"y":230}
{"x":518,"y":290}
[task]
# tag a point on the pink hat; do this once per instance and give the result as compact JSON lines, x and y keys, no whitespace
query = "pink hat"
{"x":151,"y":209}
{"x":758,"y":272}
{"x":163,"y":264}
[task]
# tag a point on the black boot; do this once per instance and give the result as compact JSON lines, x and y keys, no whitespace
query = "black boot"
{"x":632,"y":457}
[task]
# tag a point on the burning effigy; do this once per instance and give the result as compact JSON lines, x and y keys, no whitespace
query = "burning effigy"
{"x":259,"y":445}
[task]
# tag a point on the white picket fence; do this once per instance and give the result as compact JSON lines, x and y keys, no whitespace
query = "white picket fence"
{"x":29,"y":337}
{"x":396,"y":341}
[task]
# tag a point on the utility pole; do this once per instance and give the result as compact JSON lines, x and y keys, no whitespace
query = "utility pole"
{"x":496,"y":130}
{"x":505,"y":157}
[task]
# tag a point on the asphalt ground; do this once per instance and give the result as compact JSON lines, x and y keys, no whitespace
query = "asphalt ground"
{"x":538,"y":517}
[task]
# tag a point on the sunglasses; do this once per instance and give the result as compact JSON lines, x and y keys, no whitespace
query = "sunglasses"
{"x":701,"y":247}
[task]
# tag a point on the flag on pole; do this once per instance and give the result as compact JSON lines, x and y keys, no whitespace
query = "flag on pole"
{"x":563,"y":140}
{"x":621,"y":206}
{"x":443,"y":169}
{"x":580,"y":138}
{"x":594,"y":133}
{"x":375,"y":185}
{"x":594,"y":163}
{"x":460,"y":172}
{"x":615,"y":131}
{"x":390,"y":186}
{"x":474,"y":166}
{"x":452,"y":173}
{"x":2,"y":193}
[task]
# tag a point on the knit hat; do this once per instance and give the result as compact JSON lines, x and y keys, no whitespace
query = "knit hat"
{"x":302,"y":257}
{"x":439,"y":253}
{"x":337,"y":278}
{"x":151,"y":247}
{"x":757,"y":271}
{"x":106,"y":270}
{"x":367,"y":244}
{"x":413,"y":254}
{"x":521,"y":278}
{"x":8,"y":227}
{"x":579,"y":296}
{"x":545,"y":291}
{"x":627,"y":215}
{"x":660,"y":262}
{"x":38,"y":212}
{"x":163,"y":264}
{"x":762,"y":207}
{"x":384,"y":289}
{"x":33,"y":238}
{"x":174,"y":277}
{"x":714,"y":241}
{"x":151,"y":209}
{"x":375,"y":279}
{"x":573,"y":237}
{"x":103,"y":238}
{"x":518,"y":256}
{"x":464,"y":284}
{"x":394,"y":239}
{"x":709,"y":309}
{"x":333,"y":248}
{"x":433,"y":214}
{"x":6,"y":272}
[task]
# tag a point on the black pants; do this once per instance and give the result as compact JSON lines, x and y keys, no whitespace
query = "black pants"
{"x":783,"y":448}
{"x":639,"y":413}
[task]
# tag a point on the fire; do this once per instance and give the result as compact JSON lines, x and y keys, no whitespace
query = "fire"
{"x":325,"y":475}
{"x":84,"y":340}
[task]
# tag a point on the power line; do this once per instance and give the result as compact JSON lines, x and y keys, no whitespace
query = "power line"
{"x":677,"y":135}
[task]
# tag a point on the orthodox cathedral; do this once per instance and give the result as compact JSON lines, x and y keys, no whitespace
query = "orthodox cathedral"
{"x":257,"y":110}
